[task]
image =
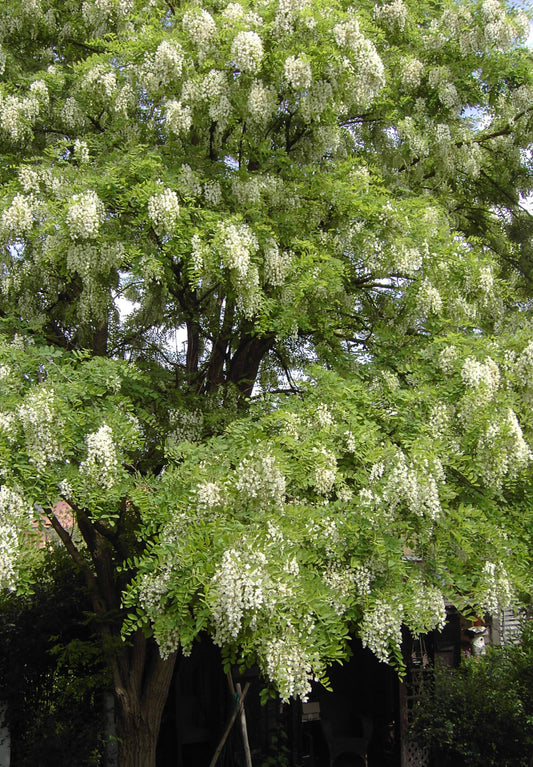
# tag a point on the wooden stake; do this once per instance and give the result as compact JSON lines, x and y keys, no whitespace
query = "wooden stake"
{"x":244,"y":730}
{"x":227,"y":731}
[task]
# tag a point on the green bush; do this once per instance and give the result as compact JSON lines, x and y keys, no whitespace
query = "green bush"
{"x":51,"y":675}
{"x":480,"y":714}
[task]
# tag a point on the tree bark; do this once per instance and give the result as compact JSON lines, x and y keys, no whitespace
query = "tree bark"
{"x":140,"y":703}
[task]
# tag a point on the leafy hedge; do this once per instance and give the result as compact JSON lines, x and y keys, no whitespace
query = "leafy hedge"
{"x":480,"y":714}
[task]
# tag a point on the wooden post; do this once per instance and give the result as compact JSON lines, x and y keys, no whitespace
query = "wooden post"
{"x":227,"y":731}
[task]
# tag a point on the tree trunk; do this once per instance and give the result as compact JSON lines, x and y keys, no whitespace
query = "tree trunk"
{"x":139,"y":708}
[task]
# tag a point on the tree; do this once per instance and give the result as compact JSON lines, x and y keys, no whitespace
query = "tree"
{"x":269,"y":185}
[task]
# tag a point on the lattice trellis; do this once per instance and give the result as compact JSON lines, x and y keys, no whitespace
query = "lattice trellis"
{"x":415,"y":756}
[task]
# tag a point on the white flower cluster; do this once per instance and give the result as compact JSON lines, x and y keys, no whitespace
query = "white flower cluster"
{"x":341,"y":583}
{"x":315,"y":102}
{"x":416,"y":485}
{"x":502,"y":450}
{"x":524,"y":366}
{"x":71,"y":113}
{"x":99,"y":14}
{"x":234,"y":12}
{"x":190,"y":180}
{"x":297,"y":71}
{"x":17,"y":220}
{"x":94,"y":264}
{"x":426,"y":610}
{"x":18,"y":114}
{"x":498,"y":32}
{"x":208,"y":495}
{"x":411,"y":73}
{"x":351,"y":444}
{"x":215,"y":91}
{"x":241,"y":585}
{"x":496,"y":592}
{"x":153,"y":589}
{"x":415,"y":138}
{"x":14,"y":516}
{"x":185,"y":425}
{"x":364,"y":65}
{"x":324,"y":416}
{"x":393,"y":15}
{"x":362,"y":579}
{"x":259,"y":480}
{"x":29,"y":179}
{"x":238,"y":244}
{"x":247,"y":51}
{"x":212,"y":193}
{"x":85,"y":214}
{"x":483,"y":377}
{"x":164,"y":211}
{"x":381,"y":628}
{"x":325,"y":471}
{"x":81,"y":151}
{"x":42,"y":427}
{"x":178,"y":117}
{"x":429,"y":300}
{"x":286,"y":16}
{"x":247,"y":192}
{"x":168,"y":62}
{"x":101,"y":463}
{"x":448,"y":96}
{"x":447,"y":359}
{"x":439,"y":420}
{"x":261,"y":103}
{"x":201,"y":28}
{"x":100,"y":84}
{"x":289,"y":666}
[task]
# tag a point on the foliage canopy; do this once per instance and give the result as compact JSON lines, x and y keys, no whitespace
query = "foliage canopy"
{"x":270,"y":185}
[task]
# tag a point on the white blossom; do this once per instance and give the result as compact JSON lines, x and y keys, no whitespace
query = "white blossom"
{"x":208,"y":495}
{"x":178,"y":117}
{"x":429,"y":299}
{"x":447,"y":359}
{"x":212,"y":193}
{"x":381,"y":628}
{"x":325,"y":471}
{"x":426,"y":610}
{"x":17,"y":220}
{"x":260,"y":481}
{"x":289,"y":666}
{"x":261,"y":103}
{"x":496,"y":592}
{"x":164,"y":209}
{"x":168,"y":62}
{"x":185,"y":425}
{"x":101,"y":463}
{"x":100,"y":83}
{"x":42,"y":427}
{"x":502,"y":450}
{"x":201,"y":28}
{"x":247,"y":51}
{"x":238,"y":244}
{"x":85,"y":214}
{"x":81,"y":151}
{"x":481,"y":375}
{"x":28,"y":179}
{"x":392,"y":14}
{"x":298,"y":73}
{"x":411,"y":73}
{"x":14,"y":517}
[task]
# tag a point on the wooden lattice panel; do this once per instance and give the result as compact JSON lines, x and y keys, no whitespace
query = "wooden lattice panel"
{"x":415,"y":755}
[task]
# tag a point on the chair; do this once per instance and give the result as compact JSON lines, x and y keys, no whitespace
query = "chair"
{"x":347,"y":734}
